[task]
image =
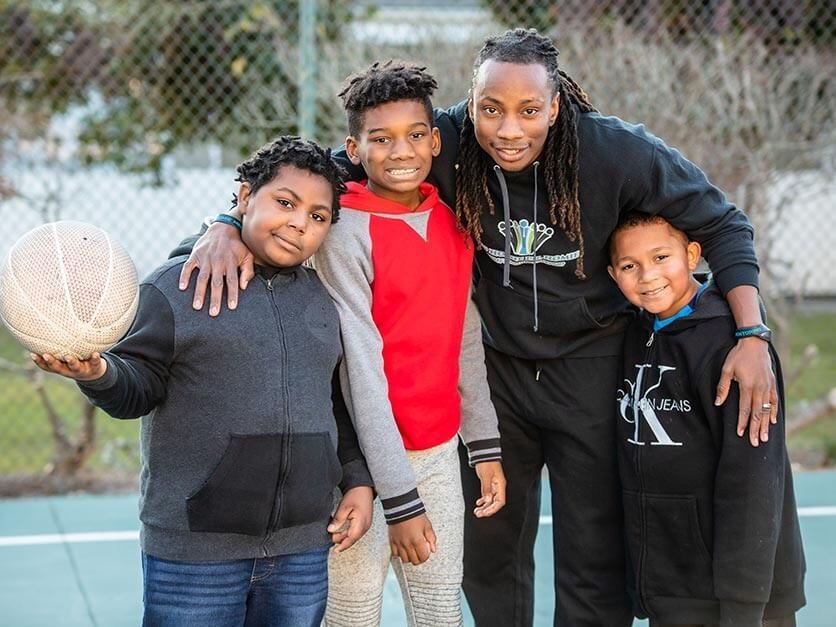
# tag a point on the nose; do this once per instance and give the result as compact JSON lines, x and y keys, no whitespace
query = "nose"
{"x":510,"y":128}
{"x":298,"y":219}
{"x":647,"y":274}
{"x":402,"y":149}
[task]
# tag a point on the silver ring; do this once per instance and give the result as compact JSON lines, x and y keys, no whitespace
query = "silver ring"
{"x":766,"y":406}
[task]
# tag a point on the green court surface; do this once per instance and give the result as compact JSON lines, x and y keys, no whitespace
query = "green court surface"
{"x":74,"y":561}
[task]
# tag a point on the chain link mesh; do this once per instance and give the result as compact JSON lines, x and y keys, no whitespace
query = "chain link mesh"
{"x":132,"y":116}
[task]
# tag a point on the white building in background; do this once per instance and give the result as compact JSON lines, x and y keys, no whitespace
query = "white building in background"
{"x":151,"y":221}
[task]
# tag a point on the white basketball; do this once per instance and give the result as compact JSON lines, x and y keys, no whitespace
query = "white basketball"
{"x":67,"y":288}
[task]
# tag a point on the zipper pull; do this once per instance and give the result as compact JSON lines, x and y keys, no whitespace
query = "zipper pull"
{"x":650,"y":339}
{"x":270,"y":284}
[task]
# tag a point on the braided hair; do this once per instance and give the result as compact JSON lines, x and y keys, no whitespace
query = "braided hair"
{"x":386,"y":82}
{"x":264,"y":165}
{"x":560,"y":153}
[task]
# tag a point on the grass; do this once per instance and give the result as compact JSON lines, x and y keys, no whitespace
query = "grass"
{"x":26,"y":444}
{"x":819,"y":440}
{"x":26,"y":441}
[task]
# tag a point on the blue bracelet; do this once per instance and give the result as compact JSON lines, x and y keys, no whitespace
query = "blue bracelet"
{"x":228,"y":219}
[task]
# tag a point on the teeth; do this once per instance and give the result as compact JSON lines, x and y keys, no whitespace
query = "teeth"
{"x":403,"y":171}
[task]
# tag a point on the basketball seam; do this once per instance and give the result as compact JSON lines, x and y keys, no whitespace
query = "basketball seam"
{"x":32,"y":307}
{"x":108,"y":281}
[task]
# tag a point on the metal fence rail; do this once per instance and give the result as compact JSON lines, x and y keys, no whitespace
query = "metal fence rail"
{"x":132,"y":116}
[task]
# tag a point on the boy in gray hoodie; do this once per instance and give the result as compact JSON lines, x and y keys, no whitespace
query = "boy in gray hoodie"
{"x":244,"y":435}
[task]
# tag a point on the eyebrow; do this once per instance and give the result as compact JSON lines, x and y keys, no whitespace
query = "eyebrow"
{"x":288,"y":191}
{"x":521,"y":102}
{"x":383,"y":129}
{"x":651,"y":251}
{"x":297,"y":199}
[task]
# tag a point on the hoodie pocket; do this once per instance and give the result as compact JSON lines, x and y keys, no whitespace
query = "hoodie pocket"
{"x":499,"y":305}
{"x":239,"y":493}
{"x":314,"y":472}
{"x":677,"y":561}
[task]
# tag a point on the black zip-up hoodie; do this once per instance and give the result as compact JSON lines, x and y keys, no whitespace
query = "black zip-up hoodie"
{"x":241,"y":447}
{"x":710,"y":521}
{"x":531,"y":303}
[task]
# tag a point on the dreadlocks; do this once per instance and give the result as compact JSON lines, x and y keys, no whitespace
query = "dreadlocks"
{"x":560,"y":153}
{"x":382,"y":83}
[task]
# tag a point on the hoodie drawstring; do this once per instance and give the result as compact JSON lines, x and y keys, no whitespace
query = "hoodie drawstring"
{"x":534,"y":252}
{"x":506,"y":215}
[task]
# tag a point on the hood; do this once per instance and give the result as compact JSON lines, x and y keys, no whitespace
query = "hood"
{"x":359,"y":197}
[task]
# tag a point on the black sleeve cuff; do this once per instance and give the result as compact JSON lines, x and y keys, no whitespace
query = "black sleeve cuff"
{"x":355,"y":474}
{"x":404,"y":507}
{"x":480,"y":451}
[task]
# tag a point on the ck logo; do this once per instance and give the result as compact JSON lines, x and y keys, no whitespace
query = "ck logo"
{"x":643,"y":407}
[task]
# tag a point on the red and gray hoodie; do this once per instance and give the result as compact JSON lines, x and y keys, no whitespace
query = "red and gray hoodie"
{"x":413,"y":373}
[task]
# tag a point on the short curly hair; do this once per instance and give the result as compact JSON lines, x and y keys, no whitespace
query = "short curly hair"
{"x":380,"y":83}
{"x":288,"y":150}
{"x":631,"y":219}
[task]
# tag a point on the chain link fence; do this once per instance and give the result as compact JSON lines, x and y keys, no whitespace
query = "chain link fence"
{"x":132,"y":116}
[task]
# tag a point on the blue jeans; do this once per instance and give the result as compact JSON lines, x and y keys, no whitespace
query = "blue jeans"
{"x":281,"y":591}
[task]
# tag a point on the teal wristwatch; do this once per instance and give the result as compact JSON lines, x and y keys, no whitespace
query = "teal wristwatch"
{"x":759,"y":330}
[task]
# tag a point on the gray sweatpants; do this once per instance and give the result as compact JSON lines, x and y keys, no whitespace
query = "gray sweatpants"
{"x":431,"y":591}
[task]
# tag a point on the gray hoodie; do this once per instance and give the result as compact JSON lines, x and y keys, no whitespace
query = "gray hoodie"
{"x":239,"y":439}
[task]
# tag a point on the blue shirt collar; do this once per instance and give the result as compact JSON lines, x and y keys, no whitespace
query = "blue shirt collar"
{"x":687,"y":310}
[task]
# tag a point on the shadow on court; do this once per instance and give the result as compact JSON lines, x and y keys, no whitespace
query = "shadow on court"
{"x":74,"y":561}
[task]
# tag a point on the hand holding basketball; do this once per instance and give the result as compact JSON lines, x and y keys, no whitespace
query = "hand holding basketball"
{"x":71,"y":367}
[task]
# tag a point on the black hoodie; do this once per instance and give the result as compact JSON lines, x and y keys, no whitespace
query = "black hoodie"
{"x":543,"y":310}
{"x":711,"y":524}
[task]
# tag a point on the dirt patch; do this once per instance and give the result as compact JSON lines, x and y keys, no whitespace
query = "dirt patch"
{"x":86,"y":482}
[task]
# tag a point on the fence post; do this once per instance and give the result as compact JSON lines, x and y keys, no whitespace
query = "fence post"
{"x":307,"y":71}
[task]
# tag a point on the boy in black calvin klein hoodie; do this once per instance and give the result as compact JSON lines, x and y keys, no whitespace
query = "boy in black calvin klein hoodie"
{"x":711,"y":526}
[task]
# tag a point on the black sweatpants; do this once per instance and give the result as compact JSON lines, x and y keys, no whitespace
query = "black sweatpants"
{"x":559,"y":413}
{"x":786,"y":621}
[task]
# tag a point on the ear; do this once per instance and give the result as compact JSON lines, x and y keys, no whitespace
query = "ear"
{"x":436,"y":141}
{"x":471,"y":109}
{"x":243,"y":197}
{"x":351,"y":150}
{"x":611,"y":270}
{"x":554,"y":108}
{"x":694,"y":251}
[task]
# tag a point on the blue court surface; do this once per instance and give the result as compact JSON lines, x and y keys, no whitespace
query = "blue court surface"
{"x":74,"y":561}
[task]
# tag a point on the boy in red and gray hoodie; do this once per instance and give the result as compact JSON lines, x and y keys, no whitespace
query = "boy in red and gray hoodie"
{"x":413,"y":373}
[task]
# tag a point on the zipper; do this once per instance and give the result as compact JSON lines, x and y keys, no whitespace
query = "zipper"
{"x":637,"y":415}
{"x":286,"y":431}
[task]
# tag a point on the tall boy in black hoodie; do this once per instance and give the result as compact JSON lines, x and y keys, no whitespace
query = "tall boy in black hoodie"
{"x":711,"y":525}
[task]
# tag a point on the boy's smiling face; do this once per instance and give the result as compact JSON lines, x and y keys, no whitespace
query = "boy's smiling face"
{"x":652,"y":264}
{"x":287,"y":218}
{"x":396,"y":147}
